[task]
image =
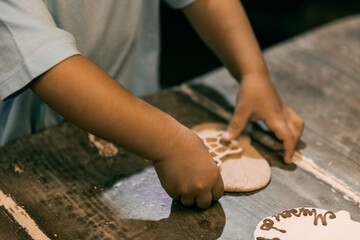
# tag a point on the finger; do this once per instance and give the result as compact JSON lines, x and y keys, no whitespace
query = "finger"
{"x":297,"y":120}
{"x":236,"y":125}
{"x":218,"y":190}
{"x":204,"y":200}
{"x":294,"y":130}
{"x":187,"y":201}
{"x":289,"y":148}
{"x":283,"y":133}
{"x":296,"y":124}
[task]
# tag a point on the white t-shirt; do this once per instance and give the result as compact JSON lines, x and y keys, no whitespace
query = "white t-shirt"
{"x":120,"y":36}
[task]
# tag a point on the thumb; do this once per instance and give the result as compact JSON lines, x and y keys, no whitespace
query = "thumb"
{"x":236,"y":125}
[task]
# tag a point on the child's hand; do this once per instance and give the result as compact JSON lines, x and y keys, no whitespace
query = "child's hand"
{"x":184,"y":166}
{"x":258,"y":100}
{"x":188,"y":173}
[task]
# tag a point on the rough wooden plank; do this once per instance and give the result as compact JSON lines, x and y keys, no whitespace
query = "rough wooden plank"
{"x":60,"y":179}
{"x":9,"y":228}
{"x":321,"y":80}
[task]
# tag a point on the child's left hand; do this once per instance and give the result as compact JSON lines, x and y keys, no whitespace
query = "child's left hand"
{"x":258,"y":100}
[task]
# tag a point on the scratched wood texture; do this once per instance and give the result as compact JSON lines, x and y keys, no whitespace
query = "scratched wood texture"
{"x":73,"y":193}
{"x":9,"y":228}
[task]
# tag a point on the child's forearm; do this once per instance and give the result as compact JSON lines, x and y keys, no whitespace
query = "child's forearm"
{"x":224,"y":26}
{"x":87,"y":96}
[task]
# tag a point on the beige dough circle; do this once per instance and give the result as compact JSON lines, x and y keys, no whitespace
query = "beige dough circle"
{"x":308,"y":223}
{"x":242,"y":168}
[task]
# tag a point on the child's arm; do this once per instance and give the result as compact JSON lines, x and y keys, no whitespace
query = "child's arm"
{"x":223,"y":25}
{"x":87,"y":96}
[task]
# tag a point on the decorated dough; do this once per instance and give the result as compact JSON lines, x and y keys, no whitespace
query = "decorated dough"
{"x":307,"y":223}
{"x":242,"y":168}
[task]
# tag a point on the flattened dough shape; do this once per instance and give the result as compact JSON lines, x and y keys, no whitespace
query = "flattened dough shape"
{"x":242,"y":168}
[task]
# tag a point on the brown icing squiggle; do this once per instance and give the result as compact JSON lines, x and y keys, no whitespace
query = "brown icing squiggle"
{"x":305,"y":212}
{"x":269,"y":224}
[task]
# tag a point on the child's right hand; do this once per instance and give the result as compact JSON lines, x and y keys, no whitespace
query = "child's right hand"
{"x":184,"y":166}
{"x":188,"y":173}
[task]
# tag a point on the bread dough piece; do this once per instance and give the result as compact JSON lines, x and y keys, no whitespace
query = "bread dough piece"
{"x":308,"y":223}
{"x":242,"y":168}
{"x":105,"y":148}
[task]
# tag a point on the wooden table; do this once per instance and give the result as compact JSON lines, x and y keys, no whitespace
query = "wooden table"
{"x":71,"y":192}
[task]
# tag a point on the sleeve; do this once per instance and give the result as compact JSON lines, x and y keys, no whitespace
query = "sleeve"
{"x":177,"y":4}
{"x":30,"y":44}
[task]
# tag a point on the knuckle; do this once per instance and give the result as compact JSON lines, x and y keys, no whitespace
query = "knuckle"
{"x":274,"y":122}
{"x":199,"y":187}
{"x":191,"y":190}
{"x":183,"y":191}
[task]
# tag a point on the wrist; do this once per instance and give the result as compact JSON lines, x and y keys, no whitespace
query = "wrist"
{"x":240,"y":73}
{"x":258,"y":75}
{"x":178,"y":142}
{"x":174,"y":133}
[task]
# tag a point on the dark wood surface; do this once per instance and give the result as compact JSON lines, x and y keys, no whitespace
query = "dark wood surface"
{"x":73,"y":193}
{"x":9,"y":228}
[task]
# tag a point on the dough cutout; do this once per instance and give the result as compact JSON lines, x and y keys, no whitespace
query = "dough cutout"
{"x":307,"y":223}
{"x":242,"y":168}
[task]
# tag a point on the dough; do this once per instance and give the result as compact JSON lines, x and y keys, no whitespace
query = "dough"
{"x":307,"y":223}
{"x":105,"y":148}
{"x":242,"y":168}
